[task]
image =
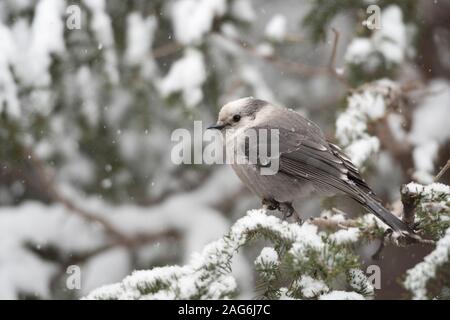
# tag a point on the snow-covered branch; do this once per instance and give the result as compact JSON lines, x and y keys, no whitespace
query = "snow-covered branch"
{"x":419,"y":277}
{"x":300,"y":249}
{"x":310,"y":257}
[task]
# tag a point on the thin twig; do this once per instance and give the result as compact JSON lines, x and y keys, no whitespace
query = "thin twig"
{"x":331,"y":224}
{"x":332,"y":63}
{"x":55,"y":195}
{"x":118,"y":238}
{"x":80,"y":258}
{"x":294,"y":38}
{"x":443,"y":171}
{"x":166,"y":49}
{"x":294,"y":67}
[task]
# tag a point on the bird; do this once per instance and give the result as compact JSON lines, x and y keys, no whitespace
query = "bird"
{"x":308,"y":163}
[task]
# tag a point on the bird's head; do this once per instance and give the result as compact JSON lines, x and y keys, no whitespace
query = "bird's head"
{"x":238,"y":113}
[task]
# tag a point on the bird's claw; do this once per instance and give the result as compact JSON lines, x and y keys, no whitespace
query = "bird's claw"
{"x":286,"y":209}
{"x":270,"y":204}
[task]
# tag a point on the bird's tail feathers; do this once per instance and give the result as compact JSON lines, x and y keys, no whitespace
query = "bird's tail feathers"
{"x":385,"y":215}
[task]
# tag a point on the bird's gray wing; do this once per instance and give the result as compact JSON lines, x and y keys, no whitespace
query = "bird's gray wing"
{"x":315,"y":159}
{"x":327,"y":167}
{"x":304,"y":150}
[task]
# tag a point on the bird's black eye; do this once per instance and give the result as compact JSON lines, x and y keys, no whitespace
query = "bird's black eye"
{"x":236,"y":118}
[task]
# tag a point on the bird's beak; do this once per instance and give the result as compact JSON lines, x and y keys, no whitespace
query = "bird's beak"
{"x":216,"y":126}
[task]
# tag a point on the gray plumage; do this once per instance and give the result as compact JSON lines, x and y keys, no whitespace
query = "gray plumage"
{"x":308,"y":163}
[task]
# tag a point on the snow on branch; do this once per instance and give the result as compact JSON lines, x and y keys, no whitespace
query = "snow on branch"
{"x":432,"y":207}
{"x":299,"y":248}
{"x":315,"y":259}
{"x":366,"y":104}
{"x":418,"y":277}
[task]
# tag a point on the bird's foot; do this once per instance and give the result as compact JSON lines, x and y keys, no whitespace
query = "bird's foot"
{"x":270,"y":204}
{"x":284,"y":207}
{"x":287,"y":209}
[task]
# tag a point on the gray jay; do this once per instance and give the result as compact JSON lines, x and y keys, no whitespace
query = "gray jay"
{"x":308,"y":163}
